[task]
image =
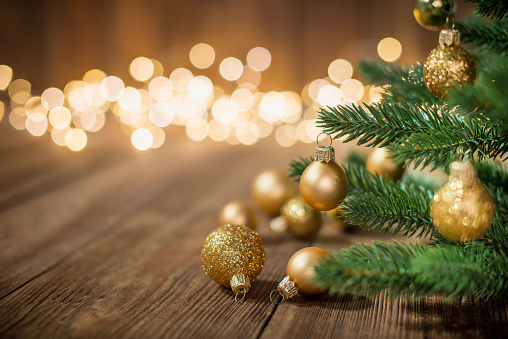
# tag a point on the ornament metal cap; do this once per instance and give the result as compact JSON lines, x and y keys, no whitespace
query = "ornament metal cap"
{"x":286,"y":288}
{"x":449,"y":37}
{"x":240,"y":284}
{"x":462,"y":170}
{"x":324,"y":153}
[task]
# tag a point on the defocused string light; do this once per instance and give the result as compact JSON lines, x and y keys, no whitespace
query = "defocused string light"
{"x":231,"y":69}
{"x":202,"y":55}
{"x":259,"y":58}
{"x":389,"y":49}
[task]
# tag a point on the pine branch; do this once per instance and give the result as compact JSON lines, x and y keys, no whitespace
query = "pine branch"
{"x":296,"y":167}
{"x":490,"y":36}
{"x":498,"y":9}
{"x":415,"y":270}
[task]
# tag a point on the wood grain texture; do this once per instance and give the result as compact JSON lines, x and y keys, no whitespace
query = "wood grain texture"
{"x":106,"y":244}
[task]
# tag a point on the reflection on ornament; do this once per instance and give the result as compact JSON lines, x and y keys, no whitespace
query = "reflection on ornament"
{"x":233,"y":256}
{"x":300,"y":274}
{"x":338,"y":221}
{"x":271,"y":189}
{"x":323,"y":184}
{"x":379,"y":161}
{"x":462,"y":209}
{"x":448,"y":64}
{"x":302,"y":220}
{"x":432,"y":14}
{"x":238,"y":213}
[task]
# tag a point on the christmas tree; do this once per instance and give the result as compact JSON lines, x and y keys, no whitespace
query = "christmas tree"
{"x":460,"y":123}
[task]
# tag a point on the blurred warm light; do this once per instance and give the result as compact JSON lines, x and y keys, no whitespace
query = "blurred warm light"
{"x":250,"y":77}
{"x":293,"y":110}
{"x":231,"y":68}
{"x":329,"y":95}
{"x":5,"y":76}
{"x":160,"y":88}
{"x":100,"y":120}
{"x":180,"y":78}
{"x":389,"y":49}
{"x":77,"y":139}
{"x":197,"y":132}
{"x":158,"y":69}
{"x":94,"y":76}
{"x":158,"y":137}
{"x":375,"y":93}
{"x":142,"y":139}
{"x":97,"y":100}
{"x":2,"y":110}
{"x":202,"y":55}
{"x":352,"y":89}
{"x":161,"y":114}
{"x":200,"y":88}
{"x":224,"y":110}
{"x":218,"y":131}
{"x":259,"y":58}
{"x":286,"y":135}
{"x":17,"y":118}
{"x":52,"y":98}
{"x":61,"y":136}
{"x":310,"y":113}
{"x":340,"y":70}
{"x":19,"y":91}
{"x":112,"y":88}
{"x":87,"y":119}
{"x":130,"y":100}
{"x":243,"y":98}
{"x":34,"y":105}
{"x":36,"y":124}
{"x":272,"y":106}
{"x":315,"y":86}
{"x":129,"y":117}
{"x":80,"y":98}
{"x":142,"y":68}
{"x":312,"y":130}
{"x":247,"y":132}
{"x":301,"y":131}
{"x":60,"y":118}
{"x":265,"y":128}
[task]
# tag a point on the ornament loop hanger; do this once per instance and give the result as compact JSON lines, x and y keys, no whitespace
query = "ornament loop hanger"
{"x":273,"y":300}
{"x":331,"y":139}
{"x":243,"y":292}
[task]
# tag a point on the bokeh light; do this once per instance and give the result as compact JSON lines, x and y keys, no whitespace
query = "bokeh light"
{"x":160,"y":88}
{"x":77,"y":139}
{"x":142,"y":139}
{"x":224,"y":110}
{"x":286,"y":135}
{"x":180,"y":78}
{"x":142,"y":68}
{"x":19,"y":91}
{"x":60,"y":118}
{"x":247,"y":132}
{"x":94,"y":76}
{"x":249,"y":77}
{"x":2,"y":110}
{"x":340,"y":70}
{"x":200,"y":88}
{"x":112,"y":88}
{"x":389,"y":49}
{"x":202,"y":55}
{"x":130,"y":100}
{"x":61,"y":136}
{"x":80,"y":98}
{"x":52,"y":98}
{"x":36,"y":124}
{"x":17,"y":118}
{"x":272,"y":106}
{"x":352,"y":90}
{"x":161,"y":114}
{"x":231,"y":69}
{"x":218,"y":131}
{"x":329,"y":95}
{"x":259,"y":58}
{"x":5,"y":76}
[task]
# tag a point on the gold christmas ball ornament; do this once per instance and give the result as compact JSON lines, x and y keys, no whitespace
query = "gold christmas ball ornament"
{"x":448,"y":64}
{"x":302,"y":220}
{"x":238,"y":213}
{"x":233,"y":256}
{"x":271,"y":189}
{"x":338,"y":221}
{"x":323,"y":184}
{"x":433,"y":14}
{"x":462,"y":209}
{"x":380,"y":161}
{"x":300,"y":274}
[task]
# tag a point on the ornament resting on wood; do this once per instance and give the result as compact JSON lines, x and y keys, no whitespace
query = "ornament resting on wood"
{"x":302,"y":220}
{"x":323,"y":184}
{"x":462,"y":209}
{"x":300,"y":275}
{"x":238,"y":213}
{"x":233,"y":256}
{"x":271,"y":189}
{"x":448,"y":64}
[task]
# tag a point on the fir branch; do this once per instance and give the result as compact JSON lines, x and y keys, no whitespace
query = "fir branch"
{"x":498,"y":9}
{"x":493,"y":175}
{"x":490,"y":36}
{"x":415,"y":270}
{"x":296,"y":167}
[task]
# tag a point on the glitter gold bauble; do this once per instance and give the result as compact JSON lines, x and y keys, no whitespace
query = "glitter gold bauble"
{"x":300,"y":274}
{"x":338,"y":221}
{"x":432,"y":14}
{"x":462,"y":209}
{"x":233,"y":256}
{"x":323,"y":184}
{"x":379,"y":161}
{"x":448,"y":65}
{"x":238,"y":213}
{"x":271,"y":189}
{"x":302,"y":220}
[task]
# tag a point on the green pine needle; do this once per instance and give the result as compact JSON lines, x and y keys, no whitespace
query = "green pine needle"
{"x":498,"y":9}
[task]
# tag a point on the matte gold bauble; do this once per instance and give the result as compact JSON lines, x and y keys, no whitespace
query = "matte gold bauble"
{"x":238,"y":213}
{"x":323,"y":184}
{"x":302,"y":220}
{"x":338,"y":221}
{"x":379,"y":161}
{"x":271,"y":189}
{"x":462,"y":209}
{"x":233,"y":256}
{"x":300,"y":269}
{"x":448,"y":65}
{"x":432,"y":14}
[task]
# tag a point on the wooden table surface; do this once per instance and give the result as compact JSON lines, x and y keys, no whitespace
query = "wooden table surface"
{"x":106,"y":243}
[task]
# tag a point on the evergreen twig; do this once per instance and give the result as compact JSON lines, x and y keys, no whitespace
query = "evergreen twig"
{"x":492,"y":36}
{"x":496,"y":8}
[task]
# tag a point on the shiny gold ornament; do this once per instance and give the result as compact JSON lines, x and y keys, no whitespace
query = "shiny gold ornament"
{"x":302,"y":220}
{"x":238,"y":213}
{"x":323,"y":184}
{"x":462,"y":209}
{"x":233,"y":256}
{"x":271,"y":189}
{"x":338,"y":221}
{"x":300,"y":273}
{"x":433,"y":14}
{"x":379,"y":161}
{"x":448,"y":64}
